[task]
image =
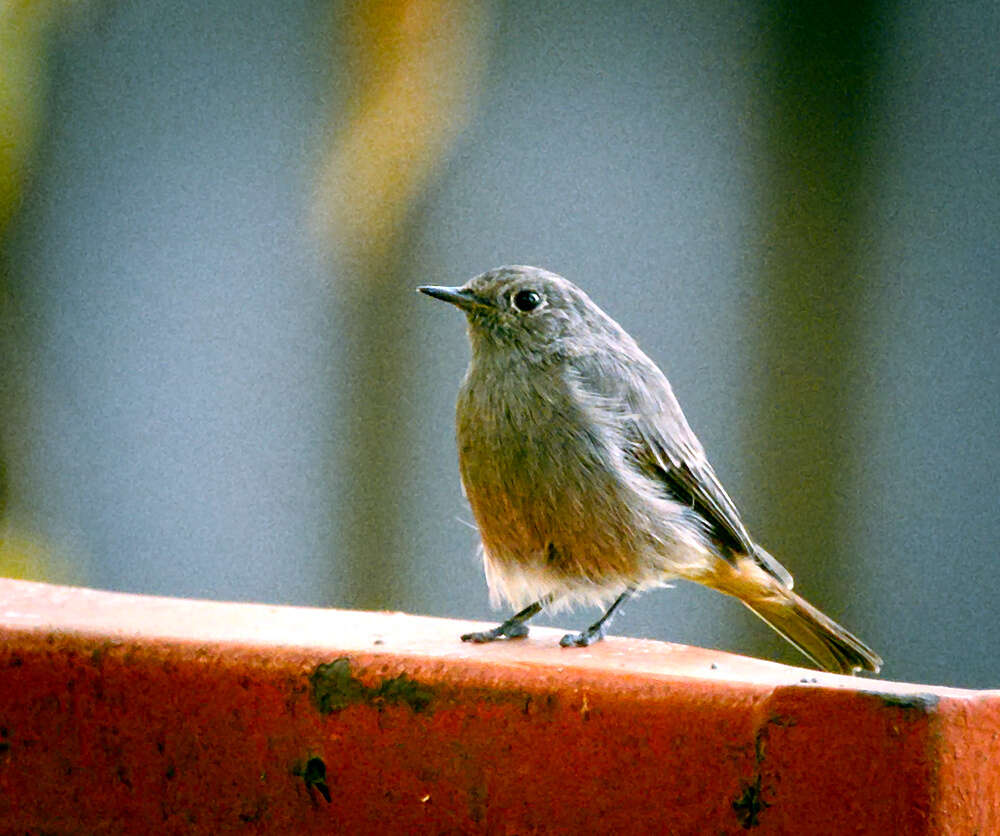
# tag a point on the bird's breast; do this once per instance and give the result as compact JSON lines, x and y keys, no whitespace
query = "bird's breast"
{"x":540,"y":473}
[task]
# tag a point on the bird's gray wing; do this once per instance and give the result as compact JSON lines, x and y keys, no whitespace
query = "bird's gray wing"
{"x":662,"y":446}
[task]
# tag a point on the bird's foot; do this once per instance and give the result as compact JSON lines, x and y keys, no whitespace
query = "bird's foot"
{"x":507,"y":630}
{"x":584,"y":639}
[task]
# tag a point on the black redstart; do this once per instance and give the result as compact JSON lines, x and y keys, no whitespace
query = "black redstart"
{"x":586,"y":482}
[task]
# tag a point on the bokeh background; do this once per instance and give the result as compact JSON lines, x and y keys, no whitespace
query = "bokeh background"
{"x":216,"y":379}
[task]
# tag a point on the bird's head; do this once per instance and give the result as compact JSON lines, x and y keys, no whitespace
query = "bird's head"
{"x":528,"y":309}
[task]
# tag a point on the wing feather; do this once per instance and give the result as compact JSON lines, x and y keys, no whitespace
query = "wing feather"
{"x":663,"y":446}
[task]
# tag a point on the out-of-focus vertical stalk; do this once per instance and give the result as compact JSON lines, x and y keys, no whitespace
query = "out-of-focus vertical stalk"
{"x":414,"y":67}
{"x":24,"y":29}
{"x":817,"y":145}
{"x":24,"y":26}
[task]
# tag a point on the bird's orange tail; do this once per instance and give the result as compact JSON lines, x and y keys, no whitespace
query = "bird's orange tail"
{"x":817,"y":635}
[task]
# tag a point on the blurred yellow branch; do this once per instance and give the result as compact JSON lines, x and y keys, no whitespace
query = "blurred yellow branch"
{"x":415,"y":68}
{"x":23,"y":27}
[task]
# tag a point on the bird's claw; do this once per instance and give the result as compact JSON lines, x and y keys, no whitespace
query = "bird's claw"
{"x":504,"y":631}
{"x":584,"y":639}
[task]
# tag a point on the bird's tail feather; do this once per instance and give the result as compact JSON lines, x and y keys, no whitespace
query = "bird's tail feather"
{"x":818,"y":636}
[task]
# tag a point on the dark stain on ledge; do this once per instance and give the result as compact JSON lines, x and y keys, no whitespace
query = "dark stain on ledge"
{"x":313,"y":773}
{"x":921,"y":701}
{"x":333,"y":687}
{"x":750,"y":804}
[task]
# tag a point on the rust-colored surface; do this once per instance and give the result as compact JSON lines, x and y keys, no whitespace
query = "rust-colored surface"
{"x":131,"y":714}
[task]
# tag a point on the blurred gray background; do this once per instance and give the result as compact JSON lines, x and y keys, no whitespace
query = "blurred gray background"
{"x":217,"y":380}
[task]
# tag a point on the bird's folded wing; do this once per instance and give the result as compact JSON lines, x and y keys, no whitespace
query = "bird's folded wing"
{"x":663,"y":446}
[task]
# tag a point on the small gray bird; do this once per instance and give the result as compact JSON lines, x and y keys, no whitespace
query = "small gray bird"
{"x":586,"y":482}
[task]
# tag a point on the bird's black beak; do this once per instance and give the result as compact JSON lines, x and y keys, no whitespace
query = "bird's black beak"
{"x":455,"y":295}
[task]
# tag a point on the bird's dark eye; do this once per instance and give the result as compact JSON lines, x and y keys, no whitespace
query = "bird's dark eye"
{"x":527,"y":300}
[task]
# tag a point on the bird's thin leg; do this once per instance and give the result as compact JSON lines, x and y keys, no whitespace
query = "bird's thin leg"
{"x":513,"y":628}
{"x":595,"y":632}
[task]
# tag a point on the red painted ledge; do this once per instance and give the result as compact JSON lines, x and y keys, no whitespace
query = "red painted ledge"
{"x":133,"y":714}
